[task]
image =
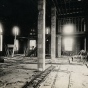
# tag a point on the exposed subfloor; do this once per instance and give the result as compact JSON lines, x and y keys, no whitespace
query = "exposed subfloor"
{"x":15,"y":72}
{"x":67,"y":76}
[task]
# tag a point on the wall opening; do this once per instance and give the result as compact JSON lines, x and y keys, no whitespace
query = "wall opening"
{"x":0,"y":42}
{"x":32,"y":44}
{"x":68,"y":44}
{"x":16,"y":45}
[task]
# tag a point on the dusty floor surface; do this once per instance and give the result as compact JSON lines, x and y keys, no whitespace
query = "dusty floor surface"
{"x":72,"y":75}
{"x":67,"y":76}
{"x":15,"y":72}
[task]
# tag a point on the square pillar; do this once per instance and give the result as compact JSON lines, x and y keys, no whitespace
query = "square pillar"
{"x":41,"y":35}
{"x":59,"y":45}
{"x":53,"y":32}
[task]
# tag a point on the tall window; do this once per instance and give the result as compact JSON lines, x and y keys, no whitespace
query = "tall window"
{"x":68,"y":44}
{"x":1,"y":29}
{"x":68,"y":29}
{"x":0,"y":42}
{"x":16,"y":45}
{"x":32,"y":44}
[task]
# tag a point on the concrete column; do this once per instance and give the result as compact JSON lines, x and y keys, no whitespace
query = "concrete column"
{"x":59,"y":45}
{"x":53,"y":32}
{"x":41,"y":35}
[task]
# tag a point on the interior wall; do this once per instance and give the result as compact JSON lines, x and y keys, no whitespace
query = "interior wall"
{"x":78,"y":45}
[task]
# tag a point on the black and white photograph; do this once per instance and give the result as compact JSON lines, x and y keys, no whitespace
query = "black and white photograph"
{"x":43,"y":43}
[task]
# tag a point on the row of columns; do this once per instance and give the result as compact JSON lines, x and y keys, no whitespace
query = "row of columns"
{"x":41,"y":34}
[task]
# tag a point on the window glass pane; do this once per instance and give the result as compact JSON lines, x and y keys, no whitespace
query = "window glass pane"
{"x":0,"y":42}
{"x":68,"y":42}
{"x":32,"y":44}
{"x":16,"y":45}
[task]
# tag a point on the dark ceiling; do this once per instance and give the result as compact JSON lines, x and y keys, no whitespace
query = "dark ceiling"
{"x":24,"y":13}
{"x":69,"y":8}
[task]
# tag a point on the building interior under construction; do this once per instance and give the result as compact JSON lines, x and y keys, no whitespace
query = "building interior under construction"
{"x":43,"y":29}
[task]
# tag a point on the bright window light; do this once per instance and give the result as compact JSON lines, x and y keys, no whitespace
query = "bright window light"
{"x":16,"y":45}
{"x":1,"y":30}
{"x":0,"y":42}
{"x":68,"y":44}
{"x":32,"y":44}
{"x":47,"y":31}
{"x":68,"y":29}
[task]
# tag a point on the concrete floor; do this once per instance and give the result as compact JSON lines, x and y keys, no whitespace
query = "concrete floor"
{"x":68,"y":76}
{"x":15,"y":72}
